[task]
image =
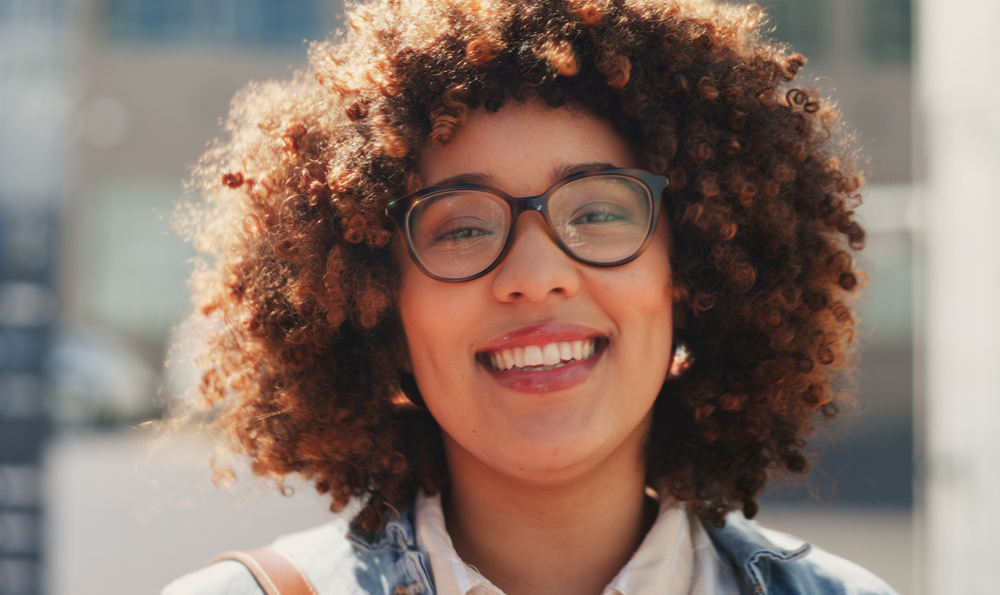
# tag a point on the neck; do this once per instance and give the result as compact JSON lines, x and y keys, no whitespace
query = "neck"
{"x":529,"y":538}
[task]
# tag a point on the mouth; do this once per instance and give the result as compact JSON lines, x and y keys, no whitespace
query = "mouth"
{"x":543,"y":357}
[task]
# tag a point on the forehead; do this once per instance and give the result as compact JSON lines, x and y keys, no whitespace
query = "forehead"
{"x":523,"y":144}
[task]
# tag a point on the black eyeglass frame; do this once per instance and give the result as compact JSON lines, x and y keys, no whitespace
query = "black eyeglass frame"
{"x":399,"y":210}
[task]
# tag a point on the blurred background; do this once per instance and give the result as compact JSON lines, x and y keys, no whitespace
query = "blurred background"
{"x":105,"y":104}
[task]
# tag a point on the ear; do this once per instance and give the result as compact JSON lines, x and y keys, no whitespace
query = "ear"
{"x":408,"y":386}
{"x":407,"y":383}
{"x":680,"y":360}
{"x":679,"y":308}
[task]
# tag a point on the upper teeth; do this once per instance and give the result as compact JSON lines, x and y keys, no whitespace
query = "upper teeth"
{"x":548,"y":356}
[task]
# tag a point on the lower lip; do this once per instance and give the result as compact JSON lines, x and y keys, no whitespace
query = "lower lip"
{"x":545,"y":381}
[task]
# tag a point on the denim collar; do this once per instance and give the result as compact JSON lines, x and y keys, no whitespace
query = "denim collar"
{"x":757,"y":558}
{"x":389,"y":556}
{"x":397,"y":533}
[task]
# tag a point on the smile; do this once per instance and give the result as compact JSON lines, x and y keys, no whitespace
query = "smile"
{"x":533,"y":358}
{"x":544,"y":358}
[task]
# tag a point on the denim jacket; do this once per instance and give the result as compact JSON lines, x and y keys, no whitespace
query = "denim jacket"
{"x":388,"y":563}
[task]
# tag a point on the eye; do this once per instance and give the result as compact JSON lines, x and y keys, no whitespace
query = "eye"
{"x":461,"y":230}
{"x":458,"y":221}
{"x":598,"y":213}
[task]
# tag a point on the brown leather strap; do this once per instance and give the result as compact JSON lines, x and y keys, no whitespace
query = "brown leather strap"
{"x":276,"y":572}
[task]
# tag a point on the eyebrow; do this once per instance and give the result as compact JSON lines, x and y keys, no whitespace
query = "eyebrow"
{"x":557,"y":173}
{"x":480,"y":178}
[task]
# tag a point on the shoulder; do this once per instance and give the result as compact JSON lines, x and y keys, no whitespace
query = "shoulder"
{"x":222,"y":577}
{"x":324,"y":553}
{"x":778,"y":564}
{"x":337,"y":560}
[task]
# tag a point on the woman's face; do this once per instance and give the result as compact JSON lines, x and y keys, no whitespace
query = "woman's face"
{"x":539,"y":425}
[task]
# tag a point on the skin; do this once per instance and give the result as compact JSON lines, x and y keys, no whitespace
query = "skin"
{"x":536,"y":475}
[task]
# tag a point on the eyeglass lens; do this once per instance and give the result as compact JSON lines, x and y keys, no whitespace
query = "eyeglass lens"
{"x":598,"y":219}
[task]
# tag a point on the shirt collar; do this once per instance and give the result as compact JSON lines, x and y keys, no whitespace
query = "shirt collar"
{"x":675,"y":553}
{"x":452,"y":576}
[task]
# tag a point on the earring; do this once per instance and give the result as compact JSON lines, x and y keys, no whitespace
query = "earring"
{"x":680,"y":360}
{"x":408,"y":384}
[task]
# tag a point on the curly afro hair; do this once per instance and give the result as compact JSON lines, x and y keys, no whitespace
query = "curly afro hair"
{"x":297,"y":282}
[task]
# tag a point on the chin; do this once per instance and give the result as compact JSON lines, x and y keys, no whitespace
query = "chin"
{"x":551,"y":461}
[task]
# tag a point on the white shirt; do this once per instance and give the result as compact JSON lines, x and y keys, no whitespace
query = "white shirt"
{"x":675,"y":558}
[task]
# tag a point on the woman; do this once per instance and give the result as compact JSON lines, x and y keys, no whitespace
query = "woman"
{"x":602,"y":248}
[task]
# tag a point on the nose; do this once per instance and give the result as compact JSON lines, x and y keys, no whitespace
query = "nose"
{"x":535,"y":266}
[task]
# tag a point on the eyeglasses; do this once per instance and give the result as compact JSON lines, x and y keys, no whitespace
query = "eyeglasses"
{"x":603,"y":218}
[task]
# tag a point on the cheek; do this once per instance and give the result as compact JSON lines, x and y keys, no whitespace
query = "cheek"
{"x":659,"y":273}
{"x":644,"y":305}
{"x":418,"y":316}
{"x":415,"y":302}
{"x":648,"y":314}
{"x":415,"y":309}
{"x":647,"y":287}
{"x":434,"y":315}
